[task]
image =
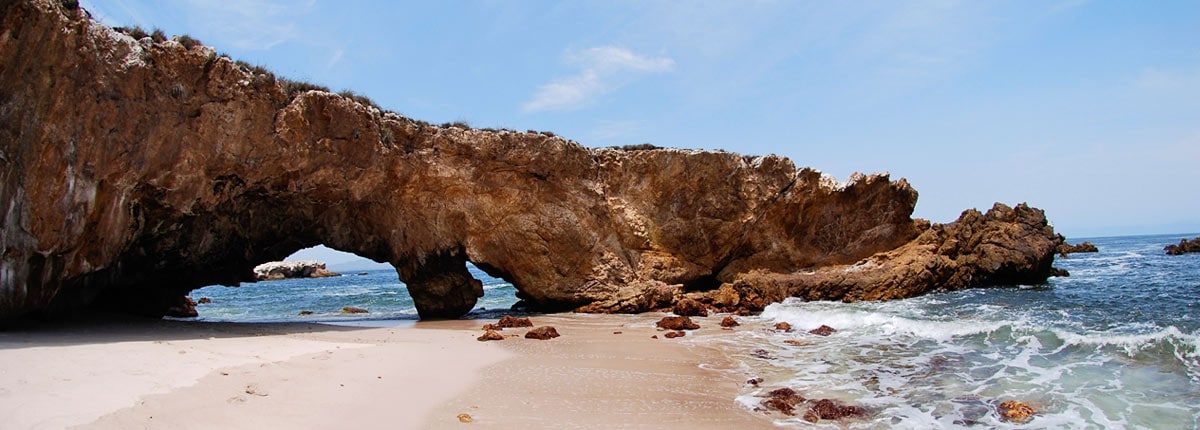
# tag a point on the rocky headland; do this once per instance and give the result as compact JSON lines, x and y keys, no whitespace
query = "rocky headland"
{"x":133,"y":170}
{"x":276,"y":270}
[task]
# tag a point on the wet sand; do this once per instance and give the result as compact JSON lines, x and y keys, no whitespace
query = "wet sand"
{"x":169,"y":374}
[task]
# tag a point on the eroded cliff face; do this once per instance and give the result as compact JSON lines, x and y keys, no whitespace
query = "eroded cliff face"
{"x":133,"y":171}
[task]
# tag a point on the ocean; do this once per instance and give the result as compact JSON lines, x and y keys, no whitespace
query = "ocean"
{"x":1114,"y":345}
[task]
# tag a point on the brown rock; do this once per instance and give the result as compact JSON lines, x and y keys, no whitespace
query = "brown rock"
{"x":305,"y":312}
{"x":677,"y":323}
{"x":823,"y":330}
{"x":618,"y":332}
{"x":783,"y":400}
{"x":184,"y":307}
{"x":826,"y":409}
{"x":763,"y":354}
{"x":1016,"y":411}
{"x":204,"y":301}
{"x":689,"y":308}
{"x":491,"y":335}
{"x":729,"y":322}
{"x":542,"y":333}
{"x":492,"y":327}
{"x":509,"y":321}
{"x":784,"y":327}
{"x":1067,"y":248}
{"x":654,"y":336}
{"x":1185,"y":246}
{"x":794,"y":342}
{"x":354,"y":310}
{"x":675,"y":334}
{"x":1059,"y":273}
{"x":465,"y":418}
{"x":754,"y":381}
{"x":133,"y":173}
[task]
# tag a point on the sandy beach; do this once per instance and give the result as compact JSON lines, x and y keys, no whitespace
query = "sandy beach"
{"x":605,"y":371}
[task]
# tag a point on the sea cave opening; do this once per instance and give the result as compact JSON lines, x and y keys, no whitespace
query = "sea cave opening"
{"x":359,"y":290}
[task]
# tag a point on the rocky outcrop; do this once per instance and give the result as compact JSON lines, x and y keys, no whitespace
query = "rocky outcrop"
{"x":1067,"y":248}
{"x":276,"y":270}
{"x":133,"y":171}
{"x":1185,"y":246}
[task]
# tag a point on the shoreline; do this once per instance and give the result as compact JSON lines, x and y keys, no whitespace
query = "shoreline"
{"x":171,"y":374}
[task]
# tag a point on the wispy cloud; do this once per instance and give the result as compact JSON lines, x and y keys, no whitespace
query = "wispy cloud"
{"x":601,"y":70}
{"x":250,"y":24}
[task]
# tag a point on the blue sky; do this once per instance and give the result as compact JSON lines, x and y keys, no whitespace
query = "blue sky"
{"x":1087,"y":109}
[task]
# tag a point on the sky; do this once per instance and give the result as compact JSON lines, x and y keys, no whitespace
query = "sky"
{"x":1089,"y":110}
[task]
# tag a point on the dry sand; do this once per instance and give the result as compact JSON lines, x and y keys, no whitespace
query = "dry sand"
{"x":178,"y":375}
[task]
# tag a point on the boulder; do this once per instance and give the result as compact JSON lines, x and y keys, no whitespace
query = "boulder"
{"x":542,"y":333}
{"x":509,"y":321}
{"x":689,"y":308}
{"x":1016,"y":411}
{"x":354,"y":310}
{"x":729,"y":322}
{"x":783,"y":400}
{"x":826,"y":409}
{"x":490,"y":335}
{"x":783,"y":327}
{"x":675,"y":334}
{"x":677,"y":323}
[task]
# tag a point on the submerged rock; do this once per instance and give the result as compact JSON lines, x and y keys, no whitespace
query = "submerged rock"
{"x":826,"y":409}
{"x":783,"y":400}
{"x":135,"y":171}
{"x":1185,"y":246}
{"x":1016,"y":411}
{"x":354,"y":310}
{"x":823,"y":330}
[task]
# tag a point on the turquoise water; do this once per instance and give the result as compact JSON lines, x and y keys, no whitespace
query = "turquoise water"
{"x":378,"y":291}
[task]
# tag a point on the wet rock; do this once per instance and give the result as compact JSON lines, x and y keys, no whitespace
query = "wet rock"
{"x":826,"y":409}
{"x":784,"y":327}
{"x":305,"y":312}
{"x":689,"y":308}
{"x":184,"y":307}
{"x":754,"y":381}
{"x":490,"y":335}
{"x":1185,"y":246}
{"x":542,"y":333}
{"x":1016,"y":411}
{"x":783,"y":400}
{"x":675,"y":334}
{"x":465,"y":418}
{"x":794,"y":342}
{"x":823,"y":330}
{"x":763,"y":354}
{"x":729,"y":322}
{"x":204,"y":301}
{"x":1067,"y":248}
{"x":654,"y":336}
{"x":354,"y":310}
{"x":1059,"y":273}
{"x":509,"y":321}
{"x":677,"y":323}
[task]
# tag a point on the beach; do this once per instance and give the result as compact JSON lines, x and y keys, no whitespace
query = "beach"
{"x":605,"y":371}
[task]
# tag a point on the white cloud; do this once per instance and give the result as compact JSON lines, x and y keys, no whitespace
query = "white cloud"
{"x":249,"y":24}
{"x":601,"y":70}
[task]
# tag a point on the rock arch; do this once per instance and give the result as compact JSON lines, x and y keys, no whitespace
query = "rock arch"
{"x":134,"y":171}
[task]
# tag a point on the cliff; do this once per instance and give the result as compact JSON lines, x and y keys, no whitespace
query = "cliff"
{"x":134,"y":171}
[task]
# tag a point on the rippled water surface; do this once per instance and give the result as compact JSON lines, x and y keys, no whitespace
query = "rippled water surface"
{"x":1115,"y":345}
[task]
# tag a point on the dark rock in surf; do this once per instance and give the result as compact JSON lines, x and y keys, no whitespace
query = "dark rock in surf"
{"x":1185,"y":246}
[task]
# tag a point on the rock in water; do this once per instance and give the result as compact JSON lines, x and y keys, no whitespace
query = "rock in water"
{"x":542,"y":333}
{"x":1185,"y":246}
{"x":729,"y":322}
{"x":134,"y":171}
{"x":1067,"y":248}
{"x":1016,"y":411}
{"x":354,"y":310}
{"x":677,"y":323}
{"x":783,"y":327}
{"x":823,"y":330}
{"x":276,"y":270}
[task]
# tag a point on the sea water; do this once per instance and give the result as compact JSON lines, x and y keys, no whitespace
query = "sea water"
{"x":1114,"y":345}
{"x":380,"y":292}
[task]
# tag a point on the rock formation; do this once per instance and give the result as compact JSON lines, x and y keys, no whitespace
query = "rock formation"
{"x":1067,"y":248}
{"x":1185,"y":246}
{"x":133,"y":171}
{"x":276,"y":270}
